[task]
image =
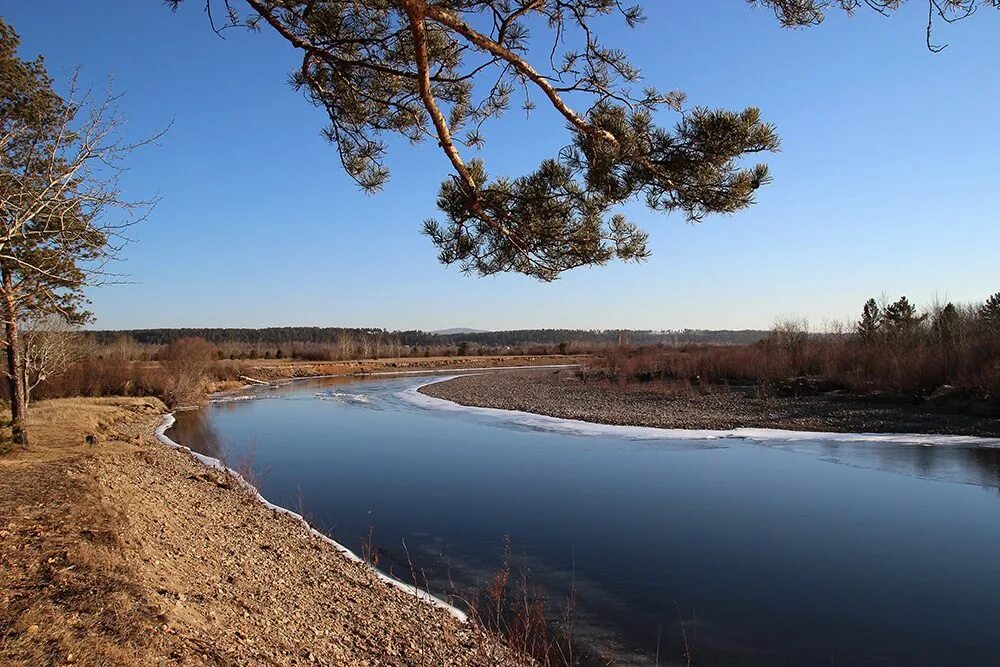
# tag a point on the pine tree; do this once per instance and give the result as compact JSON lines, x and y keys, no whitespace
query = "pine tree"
{"x":59,"y":171}
{"x":869,"y":326}
{"x":989,"y":312}
{"x":442,"y":70}
{"x":946,"y":323}
{"x":900,"y":320}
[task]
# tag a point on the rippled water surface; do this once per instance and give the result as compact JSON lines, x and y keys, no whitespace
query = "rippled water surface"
{"x":763,"y":552}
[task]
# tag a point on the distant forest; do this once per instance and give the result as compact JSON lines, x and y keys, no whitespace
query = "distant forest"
{"x":288,"y":336}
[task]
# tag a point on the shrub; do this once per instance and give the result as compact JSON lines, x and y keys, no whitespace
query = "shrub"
{"x":895,"y":348}
{"x":188,"y":363}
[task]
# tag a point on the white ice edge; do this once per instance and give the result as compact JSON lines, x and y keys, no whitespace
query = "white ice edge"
{"x":578,"y":427}
{"x":436,"y":371}
{"x":409,"y":589}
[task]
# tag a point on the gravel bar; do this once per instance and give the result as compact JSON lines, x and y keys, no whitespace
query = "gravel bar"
{"x":563,"y":394}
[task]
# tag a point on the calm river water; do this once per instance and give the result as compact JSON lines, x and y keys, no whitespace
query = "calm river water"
{"x":765,"y":552}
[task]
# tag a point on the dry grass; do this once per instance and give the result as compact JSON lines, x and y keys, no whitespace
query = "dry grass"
{"x":179,"y":383}
{"x":67,"y":594}
{"x":58,"y":423}
{"x":512,"y":615}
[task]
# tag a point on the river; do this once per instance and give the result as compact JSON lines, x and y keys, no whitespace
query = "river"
{"x":748,"y":551}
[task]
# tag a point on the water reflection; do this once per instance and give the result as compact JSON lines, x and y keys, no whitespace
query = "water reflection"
{"x":193,"y":428}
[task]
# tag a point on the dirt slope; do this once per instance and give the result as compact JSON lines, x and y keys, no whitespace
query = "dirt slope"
{"x":128,"y":552}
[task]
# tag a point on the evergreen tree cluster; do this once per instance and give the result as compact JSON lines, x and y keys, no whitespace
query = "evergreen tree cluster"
{"x":901,"y":322}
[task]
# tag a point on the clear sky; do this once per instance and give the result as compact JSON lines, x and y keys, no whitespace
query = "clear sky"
{"x":886,"y":180}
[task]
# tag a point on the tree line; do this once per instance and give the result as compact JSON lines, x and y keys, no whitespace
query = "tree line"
{"x":900,"y":322}
{"x":289,"y":336}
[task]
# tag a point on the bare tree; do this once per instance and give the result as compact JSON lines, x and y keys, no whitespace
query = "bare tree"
{"x":346,"y":345}
{"x":49,"y":346}
{"x":365,"y":345}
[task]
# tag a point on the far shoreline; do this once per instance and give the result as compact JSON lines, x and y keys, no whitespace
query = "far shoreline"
{"x":561,"y":395}
{"x":276,"y":373}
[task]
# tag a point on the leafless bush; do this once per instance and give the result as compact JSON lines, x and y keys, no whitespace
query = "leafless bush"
{"x":369,"y":551}
{"x":243,"y":463}
{"x":511,"y":612}
{"x":188,"y":363}
{"x":179,"y":377}
{"x":107,"y":376}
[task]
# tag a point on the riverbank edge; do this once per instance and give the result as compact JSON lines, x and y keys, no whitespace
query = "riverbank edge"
{"x":240,"y":392}
{"x":410,"y":589}
{"x":430,"y":398}
{"x":276,"y":374}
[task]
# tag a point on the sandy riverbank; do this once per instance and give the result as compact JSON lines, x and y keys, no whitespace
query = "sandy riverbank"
{"x":561,"y":394}
{"x":130,"y":552}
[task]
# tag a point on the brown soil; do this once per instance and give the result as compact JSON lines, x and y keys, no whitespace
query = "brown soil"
{"x":129,"y":552}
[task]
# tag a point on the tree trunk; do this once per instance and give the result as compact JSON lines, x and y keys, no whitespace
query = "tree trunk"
{"x":15,"y":379}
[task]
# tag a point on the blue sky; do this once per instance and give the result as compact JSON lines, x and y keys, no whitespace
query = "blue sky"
{"x":885,"y":182}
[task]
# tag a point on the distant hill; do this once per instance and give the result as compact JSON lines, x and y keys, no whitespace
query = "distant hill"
{"x":456,"y":330}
